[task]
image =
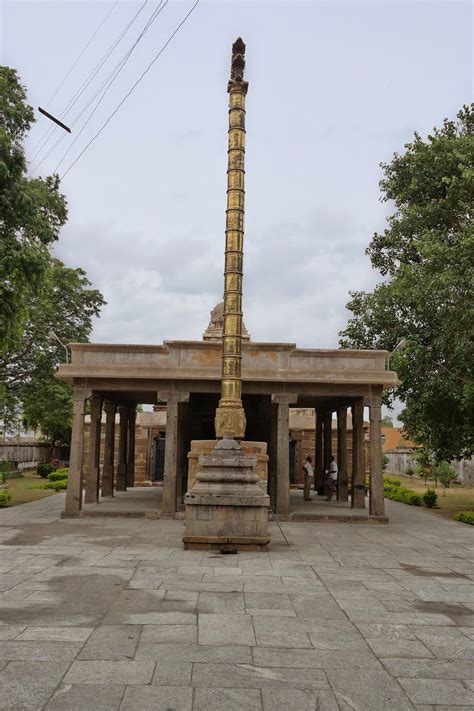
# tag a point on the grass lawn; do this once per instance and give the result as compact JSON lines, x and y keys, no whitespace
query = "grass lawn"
{"x":20,"y":491}
{"x":458,"y":498}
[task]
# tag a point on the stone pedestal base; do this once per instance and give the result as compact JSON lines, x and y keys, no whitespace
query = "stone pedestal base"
{"x":226,"y":508}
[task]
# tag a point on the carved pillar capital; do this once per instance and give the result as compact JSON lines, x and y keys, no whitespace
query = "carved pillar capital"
{"x":172,"y":397}
{"x":109,"y":407}
{"x":285,"y":399}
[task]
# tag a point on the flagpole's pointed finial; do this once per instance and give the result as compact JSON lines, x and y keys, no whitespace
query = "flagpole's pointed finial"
{"x":238,"y":60}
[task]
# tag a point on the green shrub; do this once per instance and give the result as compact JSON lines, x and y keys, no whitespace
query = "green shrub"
{"x":396,"y":492}
{"x":410,"y":472}
{"x":59,"y":485}
{"x":385,"y":461}
{"x":390,"y":480}
{"x":44,"y":469}
{"x":465,"y":517}
{"x":59,"y":474}
{"x":430,"y":498}
{"x":5,"y":498}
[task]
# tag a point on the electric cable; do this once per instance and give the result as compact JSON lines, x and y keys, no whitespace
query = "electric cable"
{"x":61,"y":84}
{"x":155,"y":58}
{"x":107,"y":84}
{"x":159,"y":9}
{"x":46,"y":138}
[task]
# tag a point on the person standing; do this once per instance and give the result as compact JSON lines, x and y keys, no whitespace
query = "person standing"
{"x":308,"y":478}
{"x":332,"y":479}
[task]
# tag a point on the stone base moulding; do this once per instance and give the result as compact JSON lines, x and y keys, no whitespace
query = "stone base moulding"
{"x":227,"y":506}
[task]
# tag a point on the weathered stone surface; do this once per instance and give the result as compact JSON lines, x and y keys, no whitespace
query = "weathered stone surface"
{"x":330,"y":568}
{"x":79,"y":697}
{"x":163,"y":634}
{"x":228,"y":699}
{"x":281,"y":632}
{"x":45,"y":650}
{"x":217,"y":654}
{"x":111,"y":642}
{"x":64,"y":634}
{"x":28,"y":685}
{"x":438,"y":691}
{"x":226,"y":629}
{"x":256,"y":677}
{"x":303,"y":700}
{"x":116,"y":672}
{"x":369,"y":690}
{"x":157,"y":698}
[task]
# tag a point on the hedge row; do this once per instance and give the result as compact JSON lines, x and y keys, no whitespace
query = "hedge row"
{"x":465,"y":517}
{"x":393,"y":490}
{"x":5,"y":498}
{"x":59,"y":474}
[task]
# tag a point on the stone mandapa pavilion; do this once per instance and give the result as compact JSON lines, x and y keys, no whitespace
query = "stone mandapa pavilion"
{"x":185,"y":375}
{"x":225,"y":385}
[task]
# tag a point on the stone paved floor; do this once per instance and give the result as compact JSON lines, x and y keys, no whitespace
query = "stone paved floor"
{"x":112,"y":614}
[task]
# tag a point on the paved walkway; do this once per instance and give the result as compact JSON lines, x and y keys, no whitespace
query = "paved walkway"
{"x":147,"y":500}
{"x":110,"y":614}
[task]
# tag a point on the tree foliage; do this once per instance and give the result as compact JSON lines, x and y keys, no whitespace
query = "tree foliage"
{"x":32,"y":212}
{"x":38,"y":292}
{"x":426,"y":256}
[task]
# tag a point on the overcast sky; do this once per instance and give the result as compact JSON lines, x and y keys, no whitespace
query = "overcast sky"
{"x":334,"y":89}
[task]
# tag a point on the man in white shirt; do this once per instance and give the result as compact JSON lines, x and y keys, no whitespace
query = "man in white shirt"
{"x":332,"y":479}
{"x":308,"y":478}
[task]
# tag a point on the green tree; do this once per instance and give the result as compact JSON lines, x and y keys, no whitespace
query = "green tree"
{"x":66,"y":305}
{"x":426,"y":257}
{"x":37,"y":291}
{"x":446,"y":475}
{"x":32,"y":212}
{"x":387,"y":421}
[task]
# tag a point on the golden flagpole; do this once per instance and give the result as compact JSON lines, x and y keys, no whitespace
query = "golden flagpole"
{"x":230,"y":415}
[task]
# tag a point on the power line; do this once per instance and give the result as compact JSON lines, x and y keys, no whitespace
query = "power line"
{"x":78,"y":58}
{"x":46,"y":138}
{"x":107,"y":84}
{"x":155,"y":58}
{"x":123,"y":62}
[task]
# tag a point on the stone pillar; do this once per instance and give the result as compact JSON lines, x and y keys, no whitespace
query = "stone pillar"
{"x":132,"y":417}
{"x":327,"y":447}
{"x":109,"y":446}
{"x":272,"y":456}
{"x":358,"y":468}
{"x":283,"y":452}
{"x":76,"y":457}
{"x":92,"y":482}
{"x":318,"y":455}
{"x":342,"y":482}
{"x":172,"y":399}
{"x":376,"y":500}
{"x":122,"y":449}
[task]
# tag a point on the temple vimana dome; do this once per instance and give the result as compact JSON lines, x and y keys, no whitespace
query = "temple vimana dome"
{"x":216,"y":431}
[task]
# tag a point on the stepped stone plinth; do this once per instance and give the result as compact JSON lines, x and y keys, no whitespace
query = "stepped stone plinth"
{"x":227,"y":508}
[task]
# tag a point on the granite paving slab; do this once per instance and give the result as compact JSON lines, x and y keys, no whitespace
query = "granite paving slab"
{"x":96,"y":614}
